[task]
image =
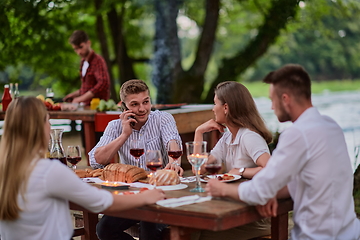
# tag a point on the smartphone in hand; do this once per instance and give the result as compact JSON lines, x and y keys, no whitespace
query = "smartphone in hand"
{"x":124,"y":108}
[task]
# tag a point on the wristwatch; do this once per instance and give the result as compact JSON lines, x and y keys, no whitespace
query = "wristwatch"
{"x":241,"y":171}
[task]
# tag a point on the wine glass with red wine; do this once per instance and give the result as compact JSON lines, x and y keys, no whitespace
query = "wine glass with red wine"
{"x":73,"y":155}
{"x":213,"y":166}
{"x":137,"y":148}
{"x":175,"y":150}
{"x":153,"y":161}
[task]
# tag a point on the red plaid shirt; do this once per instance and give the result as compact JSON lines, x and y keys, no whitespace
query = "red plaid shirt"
{"x":96,"y":79}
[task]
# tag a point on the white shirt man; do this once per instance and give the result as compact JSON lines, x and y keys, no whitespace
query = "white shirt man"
{"x":311,"y":164}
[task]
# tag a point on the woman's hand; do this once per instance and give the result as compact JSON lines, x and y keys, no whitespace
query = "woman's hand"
{"x":175,"y":167}
{"x":209,"y":126}
{"x":152,"y":196}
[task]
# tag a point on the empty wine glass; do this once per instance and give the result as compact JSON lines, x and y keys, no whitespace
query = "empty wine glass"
{"x":197,"y":156}
{"x":175,"y":150}
{"x":73,"y":155}
{"x":153,"y":161}
{"x":213,"y":166}
{"x":137,"y":148}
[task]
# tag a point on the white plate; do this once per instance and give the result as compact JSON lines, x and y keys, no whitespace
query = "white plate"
{"x":236,"y":177}
{"x":173,"y":187}
{"x":92,"y":180}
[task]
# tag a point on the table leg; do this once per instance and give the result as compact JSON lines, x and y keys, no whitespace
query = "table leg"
{"x":89,"y":133}
{"x":279,"y":227}
{"x":180,"y":233}
{"x":90,"y":221}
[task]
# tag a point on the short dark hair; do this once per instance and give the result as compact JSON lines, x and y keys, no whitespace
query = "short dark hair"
{"x":292,"y":78}
{"x":78,"y":37}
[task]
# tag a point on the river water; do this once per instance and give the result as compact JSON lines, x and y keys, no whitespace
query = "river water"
{"x":343,"y":107}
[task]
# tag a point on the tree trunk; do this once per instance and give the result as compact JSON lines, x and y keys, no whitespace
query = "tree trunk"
{"x":167,"y":59}
{"x":123,"y":61}
{"x":275,"y":20}
{"x":104,"y":49}
{"x":189,"y":85}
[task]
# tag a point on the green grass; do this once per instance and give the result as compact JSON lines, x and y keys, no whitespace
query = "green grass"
{"x":260,"y":89}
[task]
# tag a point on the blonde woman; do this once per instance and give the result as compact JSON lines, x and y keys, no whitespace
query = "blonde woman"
{"x":243,"y":147}
{"x":35,"y":191}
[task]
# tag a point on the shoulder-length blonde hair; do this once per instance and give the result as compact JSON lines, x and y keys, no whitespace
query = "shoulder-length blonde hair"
{"x":242,"y":109}
{"x":23,"y":140}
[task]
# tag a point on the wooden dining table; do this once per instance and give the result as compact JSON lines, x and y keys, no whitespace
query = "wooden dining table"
{"x":215,"y":215}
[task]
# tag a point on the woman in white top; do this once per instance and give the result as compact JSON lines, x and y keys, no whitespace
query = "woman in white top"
{"x":244,"y":145}
{"x":242,"y":149}
{"x":35,"y":191}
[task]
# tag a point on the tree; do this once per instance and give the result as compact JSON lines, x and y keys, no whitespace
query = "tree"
{"x":233,"y":37}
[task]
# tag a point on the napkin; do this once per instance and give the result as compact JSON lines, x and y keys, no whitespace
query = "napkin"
{"x":176,"y":202}
{"x":188,"y":179}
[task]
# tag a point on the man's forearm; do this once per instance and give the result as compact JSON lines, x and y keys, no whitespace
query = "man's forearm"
{"x":86,"y":96}
{"x":104,"y":154}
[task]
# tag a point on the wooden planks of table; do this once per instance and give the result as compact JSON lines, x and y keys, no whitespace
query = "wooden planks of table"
{"x":215,"y":215}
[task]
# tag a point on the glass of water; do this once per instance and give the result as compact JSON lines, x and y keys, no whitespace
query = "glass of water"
{"x":197,"y":155}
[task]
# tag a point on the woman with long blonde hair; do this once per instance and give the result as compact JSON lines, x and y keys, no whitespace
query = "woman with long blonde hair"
{"x":35,"y":191}
{"x":242,"y":149}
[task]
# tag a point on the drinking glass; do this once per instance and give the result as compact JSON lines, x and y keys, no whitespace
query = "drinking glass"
{"x":153,"y":161}
{"x":213,"y":167}
{"x":49,"y":93}
{"x":197,"y":156}
{"x":73,"y":155}
{"x":175,"y":150}
{"x":137,"y":148}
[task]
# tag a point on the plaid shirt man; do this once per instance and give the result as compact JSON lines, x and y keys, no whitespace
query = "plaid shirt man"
{"x":96,"y":79}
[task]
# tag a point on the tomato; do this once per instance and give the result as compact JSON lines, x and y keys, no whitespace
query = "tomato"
{"x":143,"y":189}
{"x":128,"y":193}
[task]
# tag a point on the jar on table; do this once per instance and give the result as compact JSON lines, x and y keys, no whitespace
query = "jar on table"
{"x":94,"y":103}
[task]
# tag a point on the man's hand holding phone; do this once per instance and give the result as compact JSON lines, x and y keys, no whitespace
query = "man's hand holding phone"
{"x":128,"y":115}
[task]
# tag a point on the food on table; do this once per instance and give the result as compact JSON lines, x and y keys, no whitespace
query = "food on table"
{"x":83,"y":173}
{"x":49,"y":103}
{"x":109,"y":105}
{"x":69,"y":106}
{"x":165,"y":177}
{"x":225,"y":177}
{"x":118,"y":172}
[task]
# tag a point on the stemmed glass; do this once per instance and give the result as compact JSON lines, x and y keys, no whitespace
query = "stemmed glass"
{"x":197,"y":156}
{"x":213,"y":167}
{"x":153,"y":161}
{"x":73,"y":155}
{"x":137,"y":148}
{"x":175,"y":150}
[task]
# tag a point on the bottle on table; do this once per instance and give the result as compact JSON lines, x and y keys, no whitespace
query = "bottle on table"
{"x":6,"y":98}
{"x":16,"y":91}
{"x":11,"y":89}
